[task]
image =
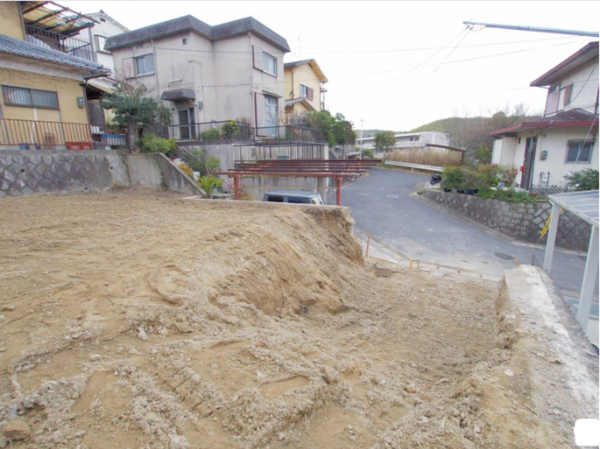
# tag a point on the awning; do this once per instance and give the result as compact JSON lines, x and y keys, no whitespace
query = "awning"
{"x":50,"y":16}
{"x":178,"y":95}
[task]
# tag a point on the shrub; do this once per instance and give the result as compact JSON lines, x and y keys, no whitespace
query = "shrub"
{"x":151,"y":143}
{"x":211,"y":134}
{"x":367,"y":154}
{"x":453,"y":178}
{"x":200,"y":162}
{"x":186,"y":169}
{"x":230,"y":130}
{"x":586,"y":179}
{"x":509,"y":195}
{"x":209,"y":183}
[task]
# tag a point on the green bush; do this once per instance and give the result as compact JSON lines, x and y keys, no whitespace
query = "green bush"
{"x":586,"y":179}
{"x":367,"y":154}
{"x":211,"y":134}
{"x":151,"y":143}
{"x":208,"y":184}
{"x":230,"y":130}
{"x":510,"y":195}
{"x":453,"y":178}
{"x":200,"y":162}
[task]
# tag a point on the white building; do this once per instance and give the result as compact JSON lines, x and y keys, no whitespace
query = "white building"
{"x":565,"y":140}
{"x":410,"y":140}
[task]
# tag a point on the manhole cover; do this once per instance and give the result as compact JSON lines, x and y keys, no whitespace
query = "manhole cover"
{"x":504,"y":256}
{"x":394,"y":197}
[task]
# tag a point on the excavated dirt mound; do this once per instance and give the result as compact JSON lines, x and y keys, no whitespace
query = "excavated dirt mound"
{"x":131,"y":320}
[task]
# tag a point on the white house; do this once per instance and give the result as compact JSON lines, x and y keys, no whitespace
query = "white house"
{"x":565,"y":140}
{"x":410,"y":140}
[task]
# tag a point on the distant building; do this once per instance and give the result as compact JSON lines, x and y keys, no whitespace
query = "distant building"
{"x":410,"y":140}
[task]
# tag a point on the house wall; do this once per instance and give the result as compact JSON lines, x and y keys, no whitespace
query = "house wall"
{"x":67,"y":89}
{"x":220,"y":73}
{"x":10,"y":20}
{"x":555,"y":142}
{"x":305,"y":75}
{"x":583,"y":95}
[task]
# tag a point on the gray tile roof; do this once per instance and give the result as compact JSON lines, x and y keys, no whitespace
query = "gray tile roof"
{"x":17,"y":47}
{"x":190,"y":23}
{"x":297,"y":63}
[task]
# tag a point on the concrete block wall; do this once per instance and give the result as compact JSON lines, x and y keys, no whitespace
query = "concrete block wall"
{"x":41,"y":172}
{"x":520,"y":221}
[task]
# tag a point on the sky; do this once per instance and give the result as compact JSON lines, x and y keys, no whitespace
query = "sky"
{"x":398,"y":65}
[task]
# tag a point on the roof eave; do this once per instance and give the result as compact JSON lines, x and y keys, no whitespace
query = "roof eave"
{"x":549,"y":125}
{"x":549,"y":77}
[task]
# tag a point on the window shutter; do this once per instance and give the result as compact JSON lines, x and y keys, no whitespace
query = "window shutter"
{"x":128,"y":68}
{"x":257,"y":56}
{"x":310,"y":95}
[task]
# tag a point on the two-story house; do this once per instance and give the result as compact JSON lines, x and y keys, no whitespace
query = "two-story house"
{"x":304,"y":89}
{"x":43,"y":77}
{"x":565,"y":140}
{"x":204,"y":74}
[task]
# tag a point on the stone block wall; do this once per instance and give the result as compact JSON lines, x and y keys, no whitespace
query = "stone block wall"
{"x":520,"y":221}
{"x":41,"y":172}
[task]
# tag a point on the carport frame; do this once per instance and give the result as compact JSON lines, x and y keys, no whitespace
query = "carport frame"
{"x":338,"y":169}
{"x":585,"y":206}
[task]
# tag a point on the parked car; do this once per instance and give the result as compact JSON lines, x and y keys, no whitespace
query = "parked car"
{"x":293,"y":196}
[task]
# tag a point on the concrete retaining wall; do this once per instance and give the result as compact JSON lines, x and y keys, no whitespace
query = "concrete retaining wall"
{"x":41,"y":172}
{"x":156,"y":171}
{"x":521,"y":221}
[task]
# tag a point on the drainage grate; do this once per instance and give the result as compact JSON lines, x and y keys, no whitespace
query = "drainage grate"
{"x":504,"y":256}
{"x":394,"y":197}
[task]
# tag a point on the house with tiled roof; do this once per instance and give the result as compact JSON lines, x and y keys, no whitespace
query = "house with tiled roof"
{"x":43,"y":77}
{"x":304,"y":90}
{"x":565,"y":140}
{"x":207,"y":75}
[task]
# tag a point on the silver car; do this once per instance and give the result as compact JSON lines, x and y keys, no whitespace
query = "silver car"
{"x":293,"y":196}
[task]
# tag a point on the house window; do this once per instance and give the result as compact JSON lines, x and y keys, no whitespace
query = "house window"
{"x":144,"y":65}
{"x":567,"y":94}
{"x":269,"y":64}
{"x":303,"y":91}
{"x":100,"y":41}
{"x":184,"y":41}
{"x":31,"y":98}
{"x":579,"y":151}
{"x":553,"y":99}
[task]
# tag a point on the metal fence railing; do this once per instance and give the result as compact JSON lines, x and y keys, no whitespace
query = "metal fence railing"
{"x":547,"y":190}
{"x":54,"y":41}
{"x":291,"y":133}
{"x":279,"y":151}
{"x":211,"y":131}
{"x":38,"y":135}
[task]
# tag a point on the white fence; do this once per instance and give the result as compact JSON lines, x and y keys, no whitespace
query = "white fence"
{"x":417,"y":166}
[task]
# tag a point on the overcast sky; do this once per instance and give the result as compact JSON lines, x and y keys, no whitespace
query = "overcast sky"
{"x":399,"y":65}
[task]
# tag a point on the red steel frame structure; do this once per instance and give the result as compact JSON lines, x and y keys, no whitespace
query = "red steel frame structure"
{"x":338,"y":169}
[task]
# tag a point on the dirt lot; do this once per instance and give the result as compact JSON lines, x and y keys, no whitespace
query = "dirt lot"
{"x":131,"y":320}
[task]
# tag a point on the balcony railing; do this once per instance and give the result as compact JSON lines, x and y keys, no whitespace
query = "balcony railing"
{"x":211,"y":131}
{"x":290,"y":133}
{"x":37,"y":135}
{"x":54,"y":41}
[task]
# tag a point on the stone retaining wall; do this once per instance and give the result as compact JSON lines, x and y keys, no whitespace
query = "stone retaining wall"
{"x":521,"y":221}
{"x":40,"y":172}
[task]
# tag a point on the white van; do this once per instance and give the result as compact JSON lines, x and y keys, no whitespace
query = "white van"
{"x":293,"y":196}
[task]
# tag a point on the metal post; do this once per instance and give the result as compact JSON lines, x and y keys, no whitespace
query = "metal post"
{"x":236,"y":187}
{"x":549,"y":254}
{"x":338,"y":193}
{"x":589,"y":281}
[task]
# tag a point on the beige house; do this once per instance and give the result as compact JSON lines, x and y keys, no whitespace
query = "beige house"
{"x":565,"y":140}
{"x":304,"y":89}
{"x":43,"y":78}
{"x":207,"y":74}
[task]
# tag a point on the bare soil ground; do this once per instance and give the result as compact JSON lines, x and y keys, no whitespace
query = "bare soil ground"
{"x":143,"y":320}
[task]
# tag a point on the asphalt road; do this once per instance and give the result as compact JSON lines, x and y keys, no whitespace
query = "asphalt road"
{"x":381,"y":206}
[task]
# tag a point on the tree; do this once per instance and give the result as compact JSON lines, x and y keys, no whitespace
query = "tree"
{"x":586,"y":179}
{"x":336,"y":128}
{"x":385,"y":140}
{"x":134,"y":109}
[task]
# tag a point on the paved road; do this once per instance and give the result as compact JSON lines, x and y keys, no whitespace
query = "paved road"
{"x":381,"y":206}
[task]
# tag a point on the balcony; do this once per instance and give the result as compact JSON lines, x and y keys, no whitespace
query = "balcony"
{"x":38,"y":135}
{"x":289,"y":133}
{"x":211,"y":131}
{"x":58,"y":42}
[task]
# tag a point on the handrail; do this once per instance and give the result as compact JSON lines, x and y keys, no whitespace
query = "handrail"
{"x":417,"y":166}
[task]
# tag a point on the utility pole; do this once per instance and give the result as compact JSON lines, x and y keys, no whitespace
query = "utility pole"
{"x":535,"y":29}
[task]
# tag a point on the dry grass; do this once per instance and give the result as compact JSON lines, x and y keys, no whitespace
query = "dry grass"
{"x":425,"y":157}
